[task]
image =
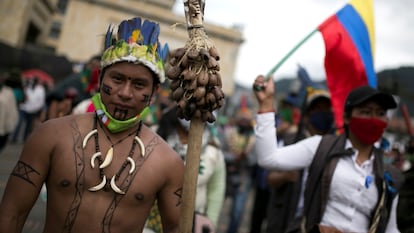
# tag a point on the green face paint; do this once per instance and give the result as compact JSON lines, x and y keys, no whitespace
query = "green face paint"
{"x":113,"y":125}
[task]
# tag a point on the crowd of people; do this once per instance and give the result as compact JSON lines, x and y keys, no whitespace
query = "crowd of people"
{"x":111,"y":154}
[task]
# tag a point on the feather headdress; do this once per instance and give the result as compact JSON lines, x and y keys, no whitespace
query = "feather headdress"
{"x":138,"y":43}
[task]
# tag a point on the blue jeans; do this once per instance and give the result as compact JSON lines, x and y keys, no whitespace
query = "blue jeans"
{"x":240,"y":196}
{"x":27,"y":119}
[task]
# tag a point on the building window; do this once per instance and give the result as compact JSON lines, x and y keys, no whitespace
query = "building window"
{"x":32,"y":34}
{"x":55,"y":30}
{"x":62,"y":5}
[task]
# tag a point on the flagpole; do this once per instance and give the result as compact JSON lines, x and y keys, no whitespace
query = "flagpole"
{"x":280,"y":63}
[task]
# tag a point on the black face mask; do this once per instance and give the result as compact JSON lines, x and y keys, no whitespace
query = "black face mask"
{"x":322,"y":121}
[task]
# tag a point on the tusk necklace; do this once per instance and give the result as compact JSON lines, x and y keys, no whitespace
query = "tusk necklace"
{"x":105,"y":184}
{"x":109,"y":154}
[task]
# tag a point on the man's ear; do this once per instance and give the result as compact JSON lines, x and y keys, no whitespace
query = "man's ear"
{"x":100,"y":77}
{"x":155,"y":93}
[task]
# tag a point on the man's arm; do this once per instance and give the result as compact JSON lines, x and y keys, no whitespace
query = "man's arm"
{"x":170,"y":197}
{"x":25,"y":181}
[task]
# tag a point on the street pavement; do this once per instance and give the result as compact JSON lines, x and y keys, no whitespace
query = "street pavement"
{"x":35,"y":221}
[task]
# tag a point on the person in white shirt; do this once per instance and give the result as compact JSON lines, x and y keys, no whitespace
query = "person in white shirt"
{"x":349,"y":188}
{"x":35,"y":100}
{"x":8,"y":112}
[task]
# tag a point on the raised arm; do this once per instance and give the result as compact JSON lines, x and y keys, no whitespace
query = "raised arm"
{"x":292,"y":157}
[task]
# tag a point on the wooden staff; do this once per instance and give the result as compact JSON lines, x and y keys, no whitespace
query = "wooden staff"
{"x":191,"y":174}
{"x":196,"y":87}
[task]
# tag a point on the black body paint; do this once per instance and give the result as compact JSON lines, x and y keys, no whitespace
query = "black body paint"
{"x":80,"y":172}
{"x":106,"y":89}
{"x":146,"y":98}
{"x":24,"y":171}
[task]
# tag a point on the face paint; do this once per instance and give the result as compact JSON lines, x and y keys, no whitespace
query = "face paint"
{"x":120,"y":114}
{"x":146,"y":98}
{"x":106,"y":89}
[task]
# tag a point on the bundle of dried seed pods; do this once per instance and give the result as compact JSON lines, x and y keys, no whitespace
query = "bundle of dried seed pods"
{"x":196,"y":83}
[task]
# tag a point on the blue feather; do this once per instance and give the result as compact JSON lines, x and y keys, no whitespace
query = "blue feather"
{"x":163,"y":52}
{"x":131,"y":28}
{"x":155,"y":34}
{"x":108,"y":37}
{"x":306,"y":82}
{"x":137,"y":23}
{"x":305,"y":78}
{"x":146,"y":30}
{"x":123,"y":31}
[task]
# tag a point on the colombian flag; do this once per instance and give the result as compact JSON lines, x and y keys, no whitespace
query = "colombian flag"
{"x":349,"y":44}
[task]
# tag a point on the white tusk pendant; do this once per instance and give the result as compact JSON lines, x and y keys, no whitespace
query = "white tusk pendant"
{"x":85,"y":140}
{"x":132,"y":162}
{"x":94,"y":156}
{"x":99,"y":186}
{"x":141,"y":146}
{"x":108,"y":158}
{"x":114,"y":187}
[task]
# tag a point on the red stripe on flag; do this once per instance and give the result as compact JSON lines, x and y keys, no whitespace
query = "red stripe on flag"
{"x":343,"y":65}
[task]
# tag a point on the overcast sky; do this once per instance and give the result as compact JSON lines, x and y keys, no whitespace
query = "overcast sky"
{"x":271,"y":28}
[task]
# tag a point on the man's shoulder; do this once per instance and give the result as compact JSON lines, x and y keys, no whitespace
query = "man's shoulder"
{"x":83,"y":123}
{"x":163,"y":156}
{"x":156,"y":144}
{"x":84,"y":119}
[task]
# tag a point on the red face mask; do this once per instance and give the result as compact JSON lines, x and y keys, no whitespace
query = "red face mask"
{"x":367,"y":130}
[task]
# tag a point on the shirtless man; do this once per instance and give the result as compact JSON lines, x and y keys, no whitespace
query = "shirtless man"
{"x":103,"y":170}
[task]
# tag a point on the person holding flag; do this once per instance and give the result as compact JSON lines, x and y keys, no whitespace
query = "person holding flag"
{"x":349,"y":188}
